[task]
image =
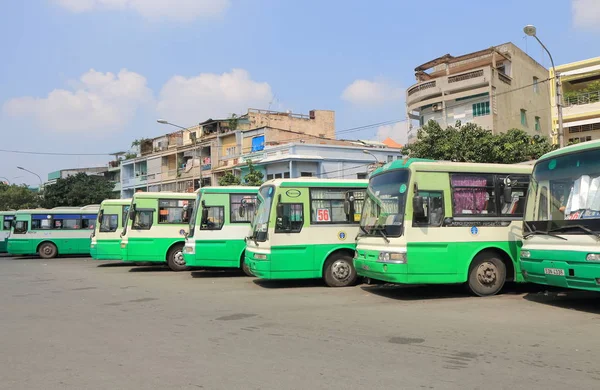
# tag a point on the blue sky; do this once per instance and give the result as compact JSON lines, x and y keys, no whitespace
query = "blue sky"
{"x":89,"y":76}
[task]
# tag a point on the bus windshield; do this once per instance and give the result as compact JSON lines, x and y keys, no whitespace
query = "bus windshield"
{"x":565,"y":194}
{"x":260,"y":224}
{"x":383,"y":212}
{"x":194,"y":214}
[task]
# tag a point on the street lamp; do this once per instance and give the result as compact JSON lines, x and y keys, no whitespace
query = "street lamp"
{"x":198,"y":156}
{"x":530,"y":30}
{"x":33,"y":173}
{"x":374,"y":156}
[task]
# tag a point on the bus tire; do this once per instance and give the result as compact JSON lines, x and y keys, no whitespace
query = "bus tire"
{"x":47,"y":250}
{"x":487,"y":274}
{"x":175,"y":259}
{"x":245,"y":269}
{"x":339,"y":271}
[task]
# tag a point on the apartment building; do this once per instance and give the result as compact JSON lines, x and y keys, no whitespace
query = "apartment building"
{"x":499,"y":88}
{"x":346,"y":160}
{"x":581,"y":100}
{"x":202,"y":154}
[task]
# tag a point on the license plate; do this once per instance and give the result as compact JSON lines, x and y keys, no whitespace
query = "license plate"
{"x":554,"y":271}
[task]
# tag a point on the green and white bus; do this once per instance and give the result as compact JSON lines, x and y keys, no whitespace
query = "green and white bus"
{"x":304,"y":229}
{"x":218,"y":229}
{"x":53,"y":232}
{"x":106,"y":238}
{"x":561,"y":231}
{"x":6,"y":218}
{"x":156,"y":229}
{"x":428,"y":222}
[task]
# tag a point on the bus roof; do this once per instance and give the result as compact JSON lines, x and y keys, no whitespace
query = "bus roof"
{"x":164,"y":195}
{"x":448,"y":166}
{"x":116,"y":202}
{"x":313,"y":182}
{"x":61,"y":210}
{"x":580,"y":147}
{"x":228,"y":190}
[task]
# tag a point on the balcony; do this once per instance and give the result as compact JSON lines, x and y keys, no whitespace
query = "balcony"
{"x":117,"y":187}
{"x":154,"y":177}
{"x":140,"y":180}
{"x":464,"y":81}
{"x":576,"y":104}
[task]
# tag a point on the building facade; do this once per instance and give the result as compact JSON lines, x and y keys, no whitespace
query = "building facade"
{"x":319,"y":160}
{"x":499,"y":89}
{"x":202,"y":154}
{"x":580,"y":83}
{"x":110,"y":172}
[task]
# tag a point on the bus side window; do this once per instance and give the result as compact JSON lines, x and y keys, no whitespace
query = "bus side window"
{"x":433,"y":202}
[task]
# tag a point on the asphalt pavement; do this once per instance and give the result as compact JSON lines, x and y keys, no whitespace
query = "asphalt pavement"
{"x":76,"y":323}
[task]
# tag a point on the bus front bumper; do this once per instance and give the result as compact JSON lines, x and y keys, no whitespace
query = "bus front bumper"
{"x":566,"y":269}
{"x":259,"y":264}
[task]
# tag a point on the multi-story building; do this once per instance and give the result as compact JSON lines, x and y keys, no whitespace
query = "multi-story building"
{"x":110,"y":172}
{"x":201,"y":154}
{"x":346,"y":160}
{"x":499,"y":88}
{"x":581,"y":100}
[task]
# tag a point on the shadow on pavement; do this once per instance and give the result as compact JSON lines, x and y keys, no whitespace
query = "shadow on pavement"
{"x":412,"y":293}
{"x":295,"y":283}
{"x":217,"y":274}
{"x":154,"y":268}
{"x":586,"y":301}
{"x":115,"y":264}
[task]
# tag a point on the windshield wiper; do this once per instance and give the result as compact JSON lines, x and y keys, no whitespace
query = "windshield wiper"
{"x":380,"y":230}
{"x":580,"y":227}
{"x":542,"y":232}
{"x":253,"y":238}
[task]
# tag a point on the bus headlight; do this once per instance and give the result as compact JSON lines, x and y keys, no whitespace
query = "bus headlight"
{"x":189,"y":249}
{"x":593,"y":257}
{"x":525,"y":254}
{"x":260,"y":256}
{"x":391,"y":257}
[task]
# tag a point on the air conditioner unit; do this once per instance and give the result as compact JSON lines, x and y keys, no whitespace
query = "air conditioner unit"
{"x":436,"y":107}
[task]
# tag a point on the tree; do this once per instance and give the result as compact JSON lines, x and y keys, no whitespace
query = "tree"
{"x":472,"y":143}
{"x":15,"y":197}
{"x":78,"y":190}
{"x":254,"y":177}
{"x":229,"y":179}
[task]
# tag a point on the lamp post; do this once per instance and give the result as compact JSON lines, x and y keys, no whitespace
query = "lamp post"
{"x":530,"y":30}
{"x":372,"y":155}
{"x":198,"y":155}
{"x":33,"y":173}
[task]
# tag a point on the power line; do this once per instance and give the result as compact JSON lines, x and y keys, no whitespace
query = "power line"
{"x":55,"y":153}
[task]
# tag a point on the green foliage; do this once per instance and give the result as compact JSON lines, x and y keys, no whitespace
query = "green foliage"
{"x":129,"y":156}
{"x":233,"y":122}
{"x":76,"y":191}
{"x":16,"y":197}
{"x":254,"y":177}
{"x":472,"y":143}
{"x":229,"y":179}
{"x":594,"y":86}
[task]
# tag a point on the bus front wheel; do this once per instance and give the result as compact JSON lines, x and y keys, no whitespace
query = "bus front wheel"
{"x":47,"y":250}
{"x":487,"y":274}
{"x":339,"y":271}
{"x":175,"y":259}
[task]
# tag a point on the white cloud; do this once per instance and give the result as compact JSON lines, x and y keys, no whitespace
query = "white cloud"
{"x":586,"y":14}
{"x":179,"y":10}
{"x":208,"y":95}
{"x":398,"y":132}
{"x":97,"y":101}
{"x":365,"y":92}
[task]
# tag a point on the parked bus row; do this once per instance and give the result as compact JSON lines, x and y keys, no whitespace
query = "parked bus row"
{"x":414,"y":222}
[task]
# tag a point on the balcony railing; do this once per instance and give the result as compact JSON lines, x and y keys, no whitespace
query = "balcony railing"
{"x":421,"y":87}
{"x":465,"y":76}
{"x":504,"y":78}
{"x":582,"y":98}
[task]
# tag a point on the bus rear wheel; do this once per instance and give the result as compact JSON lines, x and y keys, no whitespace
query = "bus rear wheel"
{"x":47,"y":250}
{"x":487,"y":274}
{"x":339,"y":271}
{"x":175,"y":259}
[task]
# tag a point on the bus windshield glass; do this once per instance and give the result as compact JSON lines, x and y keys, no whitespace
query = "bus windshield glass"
{"x":260,"y":224}
{"x":564,"y":195}
{"x":383,"y":212}
{"x":194,"y":214}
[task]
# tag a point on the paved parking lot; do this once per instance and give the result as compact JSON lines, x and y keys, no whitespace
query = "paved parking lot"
{"x":81,"y":324}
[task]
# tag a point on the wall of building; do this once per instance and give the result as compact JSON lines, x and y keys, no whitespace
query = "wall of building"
{"x":317,"y":123}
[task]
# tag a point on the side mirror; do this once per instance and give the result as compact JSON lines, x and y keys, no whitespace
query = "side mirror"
{"x":242,"y":211}
{"x":507,"y":194}
{"x":204,"y":215}
{"x":418,"y":207}
{"x":132,"y":214}
{"x":279,"y":210}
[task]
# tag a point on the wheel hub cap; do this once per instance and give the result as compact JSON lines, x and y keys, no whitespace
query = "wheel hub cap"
{"x":340,"y":270}
{"x":487,"y":273}
{"x":178,"y":258}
